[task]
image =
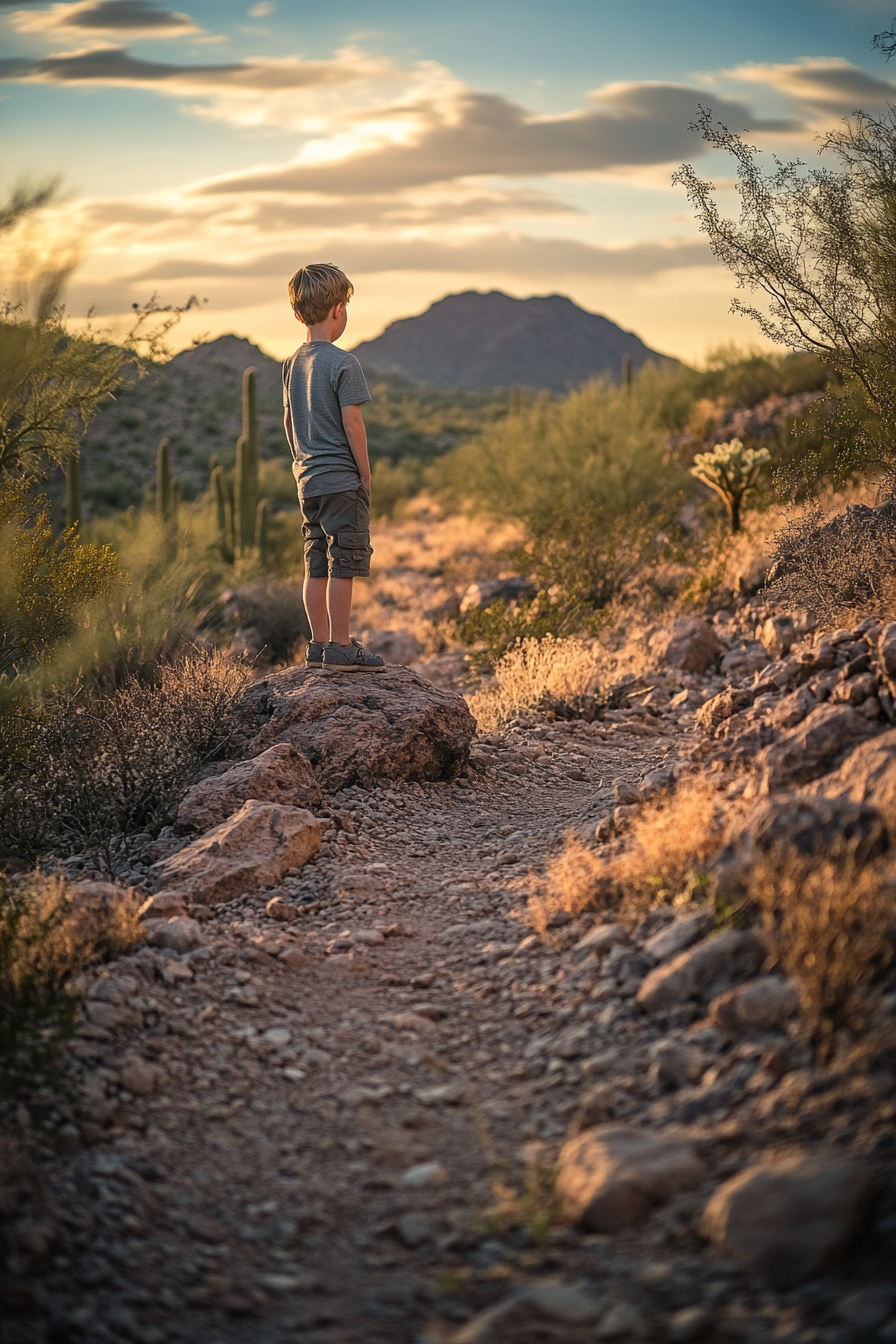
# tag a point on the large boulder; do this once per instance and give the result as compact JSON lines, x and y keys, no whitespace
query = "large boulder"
{"x":797,"y":823}
{"x":612,"y":1176}
{"x":364,"y":729}
{"x":787,"y":1220}
{"x":698,"y":973}
{"x":279,"y":775}
{"x":254,"y":848}
{"x":867,"y":776}
{"x":811,"y":749}
{"x":691,"y":646}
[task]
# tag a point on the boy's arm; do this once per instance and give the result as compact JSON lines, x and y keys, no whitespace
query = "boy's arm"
{"x":355,"y":432}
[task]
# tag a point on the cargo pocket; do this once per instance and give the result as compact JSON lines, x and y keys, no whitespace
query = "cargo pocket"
{"x":355,"y":549}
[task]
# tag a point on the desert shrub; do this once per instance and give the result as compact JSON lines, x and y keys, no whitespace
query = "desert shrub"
{"x":95,"y":768}
{"x":664,"y":860}
{"x":836,"y":566}
{"x":829,"y":923}
{"x":393,"y":484}
{"x":45,"y":581}
{"x":587,"y":477}
{"x":732,"y":471}
{"x":45,"y":941}
{"x":537,"y":675}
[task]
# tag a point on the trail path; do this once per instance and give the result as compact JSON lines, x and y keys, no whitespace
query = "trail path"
{"x":270,"y":1189}
{"x":308,"y":1147}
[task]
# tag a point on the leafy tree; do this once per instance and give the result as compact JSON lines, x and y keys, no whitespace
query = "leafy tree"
{"x":820,"y":246}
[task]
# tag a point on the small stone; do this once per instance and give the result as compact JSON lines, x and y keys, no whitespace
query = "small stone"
{"x":293,"y":957}
{"x":412,"y":1022}
{"x":600,"y":939}
{"x":163,"y":905}
{"x":612,"y":1176}
{"x":777,"y":635}
{"x":677,"y":936}
{"x":285,"y":911}
{"x":561,"y":1303}
{"x":691,"y":646}
{"x":424,"y":1174}
{"x":443,"y":1094}
{"x":787,"y":1220}
{"x":625,"y":793}
{"x":140,"y":1078}
{"x":277,"y":1037}
{"x":176,"y":973}
{"x":623,"y":814}
{"x":757,"y":1005}
{"x":179,"y":933}
{"x":621,"y":1322}
{"x":595,"y":1106}
{"x":413,"y":1230}
{"x":675,"y":1063}
{"x":111,"y":1016}
{"x":691,"y":1323}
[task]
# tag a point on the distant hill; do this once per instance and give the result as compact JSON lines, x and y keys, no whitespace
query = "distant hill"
{"x":479,"y":341}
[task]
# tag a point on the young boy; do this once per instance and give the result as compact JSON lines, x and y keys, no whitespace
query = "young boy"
{"x":323,"y":391}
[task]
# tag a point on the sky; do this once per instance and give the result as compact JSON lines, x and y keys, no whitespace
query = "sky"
{"x":426,"y":149}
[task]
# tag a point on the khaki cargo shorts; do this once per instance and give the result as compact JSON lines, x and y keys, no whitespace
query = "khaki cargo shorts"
{"x":337,"y":535}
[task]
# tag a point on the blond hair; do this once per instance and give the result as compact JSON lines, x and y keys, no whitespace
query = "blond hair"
{"x":314,"y":290}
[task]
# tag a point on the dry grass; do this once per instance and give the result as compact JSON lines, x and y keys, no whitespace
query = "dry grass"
{"x":664,"y":860}
{"x":830,"y":924}
{"x":536,"y":674}
{"x":47,"y":936}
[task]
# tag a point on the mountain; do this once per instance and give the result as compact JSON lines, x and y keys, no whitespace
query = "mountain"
{"x":474,"y":340}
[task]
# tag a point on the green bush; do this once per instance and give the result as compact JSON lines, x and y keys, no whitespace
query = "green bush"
{"x":45,"y":582}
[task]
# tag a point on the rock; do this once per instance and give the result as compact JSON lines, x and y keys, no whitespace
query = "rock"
{"x":757,"y":1005}
{"x":723,"y":706}
{"x":790,"y":711}
{"x":413,"y":1230}
{"x":180,"y":933}
{"x":675,"y":1063}
{"x":696,"y":973}
{"x":777,"y":635}
{"x":600,"y":939}
{"x":112,"y":1016}
{"x":443,"y":1094}
{"x":141,"y":1078}
{"x":595,"y":1106}
{"x":811,"y":749}
{"x":675,"y":937}
{"x":612,"y":1177}
{"x":787,"y":1220}
{"x":254,"y":848}
{"x":886,"y":652}
{"x":622,"y":1321}
{"x":365,"y":730}
{"x":484,"y":592}
{"x":293,"y":957}
{"x":163,"y":905}
{"x":656,"y":781}
{"x":691,"y":646}
{"x":691,"y":1323}
{"x":279,"y":775}
{"x":424,"y":1174}
{"x":565,"y":1304}
{"x":625,"y":794}
{"x":393,"y":646}
{"x":797,"y":822}
{"x":94,"y":902}
{"x":284,"y":911}
{"x":868,"y":775}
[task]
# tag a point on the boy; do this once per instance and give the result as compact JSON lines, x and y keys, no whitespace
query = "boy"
{"x":323,"y":391}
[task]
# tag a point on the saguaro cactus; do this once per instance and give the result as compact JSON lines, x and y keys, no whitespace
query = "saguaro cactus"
{"x":247,"y":457}
{"x":261,"y":530}
{"x":224,"y":510}
{"x":73,"y":491}
{"x":163,"y":480}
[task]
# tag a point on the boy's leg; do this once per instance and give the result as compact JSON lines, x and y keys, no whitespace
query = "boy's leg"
{"x":314,"y":592}
{"x":339,"y":609}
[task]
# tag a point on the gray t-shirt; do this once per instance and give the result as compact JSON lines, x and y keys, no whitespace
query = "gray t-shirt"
{"x":318,"y":380}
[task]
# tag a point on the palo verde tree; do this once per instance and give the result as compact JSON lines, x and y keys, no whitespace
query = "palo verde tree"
{"x":819,"y":247}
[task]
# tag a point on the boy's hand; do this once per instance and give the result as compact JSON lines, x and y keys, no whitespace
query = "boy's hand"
{"x":353,"y":423}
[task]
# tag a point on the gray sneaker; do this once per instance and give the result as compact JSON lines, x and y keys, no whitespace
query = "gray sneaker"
{"x":314,"y":654}
{"x":354,"y":658}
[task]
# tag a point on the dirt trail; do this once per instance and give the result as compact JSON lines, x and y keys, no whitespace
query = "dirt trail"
{"x":328,"y":1181}
{"x":301,"y":1131}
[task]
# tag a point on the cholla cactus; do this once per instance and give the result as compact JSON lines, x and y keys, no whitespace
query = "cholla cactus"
{"x":732,"y":471}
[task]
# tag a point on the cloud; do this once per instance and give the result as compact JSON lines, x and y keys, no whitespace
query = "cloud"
{"x":136,"y":18}
{"x":823,"y":86}
{"x":495,"y":253}
{"x":486,"y":135}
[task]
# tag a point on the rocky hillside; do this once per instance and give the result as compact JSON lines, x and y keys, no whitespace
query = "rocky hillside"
{"x":490,"y":340}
